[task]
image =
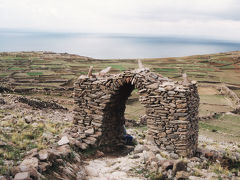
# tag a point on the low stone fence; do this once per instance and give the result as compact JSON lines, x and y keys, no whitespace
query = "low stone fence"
{"x":38,"y":104}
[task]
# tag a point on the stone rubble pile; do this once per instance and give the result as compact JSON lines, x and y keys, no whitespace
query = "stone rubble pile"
{"x":58,"y":162}
{"x":169,"y":166}
{"x":171,"y":110}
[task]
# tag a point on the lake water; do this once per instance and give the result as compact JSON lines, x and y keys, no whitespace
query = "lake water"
{"x":112,"y":46}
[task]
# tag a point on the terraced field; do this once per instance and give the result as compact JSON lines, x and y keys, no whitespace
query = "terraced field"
{"x":53,"y":71}
{"x":46,"y":69}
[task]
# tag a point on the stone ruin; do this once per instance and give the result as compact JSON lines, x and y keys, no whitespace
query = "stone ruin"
{"x":171,"y":109}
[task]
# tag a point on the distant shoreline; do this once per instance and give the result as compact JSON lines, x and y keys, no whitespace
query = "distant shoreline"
{"x":12,"y":53}
{"x":113,"y":46}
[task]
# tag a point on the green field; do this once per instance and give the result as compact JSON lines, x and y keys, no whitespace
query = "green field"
{"x":226,"y":128}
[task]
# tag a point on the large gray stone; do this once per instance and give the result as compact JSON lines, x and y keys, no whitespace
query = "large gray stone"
{"x":29,"y":164}
{"x":63,"y":140}
{"x":22,"y":176}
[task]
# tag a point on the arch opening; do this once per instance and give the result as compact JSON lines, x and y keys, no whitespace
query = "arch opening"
{"x":114,"y":119}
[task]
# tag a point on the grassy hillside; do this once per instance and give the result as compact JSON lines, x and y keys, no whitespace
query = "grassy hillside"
{"x":42,"y":69}
{"x":51,"y":76}
{"x":39,"y":70}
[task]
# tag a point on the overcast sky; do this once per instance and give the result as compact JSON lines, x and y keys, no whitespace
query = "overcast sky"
{"x":217,"y":19}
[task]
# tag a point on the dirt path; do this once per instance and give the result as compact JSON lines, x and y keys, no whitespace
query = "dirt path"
{"x":129,"y":167}
{"x":121,"y":165}
{"x":113,"y":168}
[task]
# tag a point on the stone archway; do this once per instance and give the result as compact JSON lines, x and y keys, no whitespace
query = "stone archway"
{"x":171,"y":109}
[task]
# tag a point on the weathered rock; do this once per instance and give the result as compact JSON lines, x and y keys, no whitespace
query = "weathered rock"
{"x":89,"y":131}
{"x":22,"y":176}
{"x":63,"y":140}
{"x":43,"y":155}
{"x":138,"y":149}
{"x":29,"y":164}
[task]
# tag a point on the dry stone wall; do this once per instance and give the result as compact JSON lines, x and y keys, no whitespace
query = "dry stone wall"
{"x":171,"y":109}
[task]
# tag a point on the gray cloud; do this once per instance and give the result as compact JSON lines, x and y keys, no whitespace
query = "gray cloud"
{"x":188,"y":10}
{"x":218,"y":19}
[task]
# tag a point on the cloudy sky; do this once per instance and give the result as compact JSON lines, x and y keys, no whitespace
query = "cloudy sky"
{"x":217,"y":19}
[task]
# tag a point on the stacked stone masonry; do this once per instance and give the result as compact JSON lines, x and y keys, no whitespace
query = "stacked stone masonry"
{"x":171,"y":109}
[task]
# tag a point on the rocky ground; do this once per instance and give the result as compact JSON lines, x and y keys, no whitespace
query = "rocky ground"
{"x":115,"y":168}
{"x":26,"y":126}
{"x":213,"y":161}
{"x":31,"y":126}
